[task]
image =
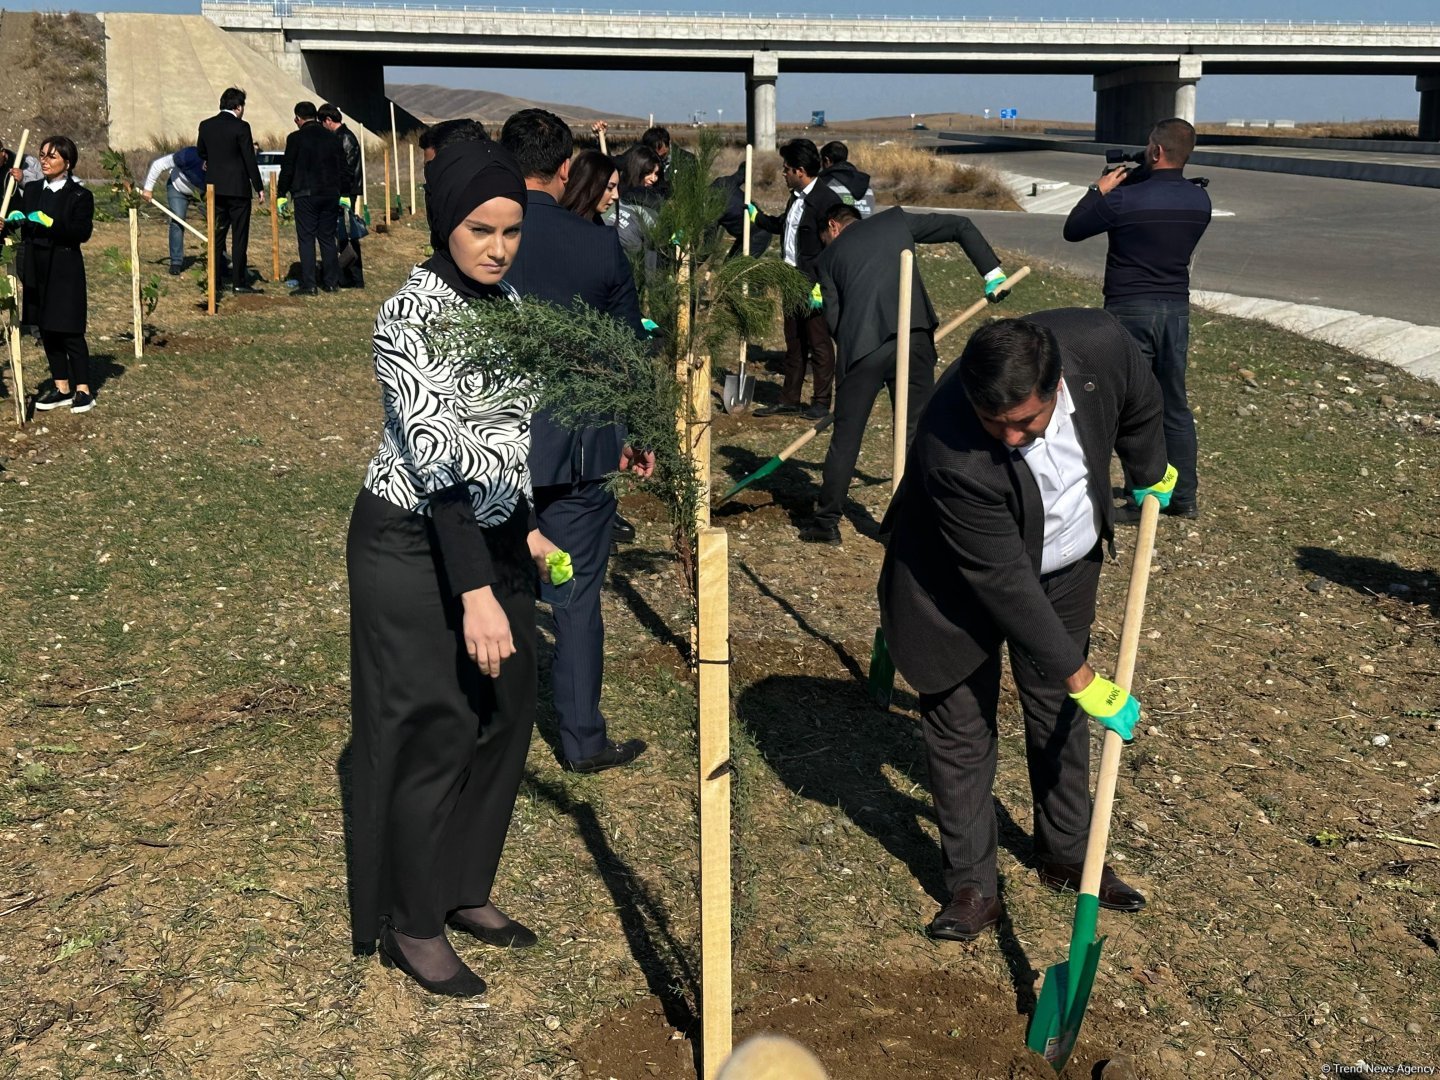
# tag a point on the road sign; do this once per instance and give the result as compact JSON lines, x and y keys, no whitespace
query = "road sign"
{"x":1009,"y":114}
{"x":817,"y":118}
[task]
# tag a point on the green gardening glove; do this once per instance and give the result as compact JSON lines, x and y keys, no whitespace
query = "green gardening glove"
{"x":650,"y":326}
{"x":282,"y":205}
{"x":39,"y":217}
{"x":1111,"y":705}
{"x":1162,"y":490}
{"x":561,"y":569}
{"x":345,"y":201}
{"x":752,"y":211}
{"x":816,"y":301}
{"x":995,"y":288}
{"x":15,"y":216}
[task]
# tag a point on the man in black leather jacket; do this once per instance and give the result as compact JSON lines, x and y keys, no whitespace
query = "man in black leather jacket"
{"x":353,"y":274}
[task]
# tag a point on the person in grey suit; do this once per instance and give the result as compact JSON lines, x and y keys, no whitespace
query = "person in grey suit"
{"x":568,"y":260}
{"x":995,"y":536}
{"x":860,"y":288}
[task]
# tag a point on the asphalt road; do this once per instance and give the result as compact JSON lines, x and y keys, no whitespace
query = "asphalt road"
{"x":1372,"y":248}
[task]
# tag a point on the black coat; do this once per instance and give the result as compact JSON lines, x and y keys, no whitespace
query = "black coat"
{"x":52,"y":268}
{"x":350,"y":179}
{"x":314,"y":162}
{"x":565,"y":259}
{"x":967,"y":526}
{"x":859,"y":280}
{"x":228,"y":149}
{"x":812,"y":222}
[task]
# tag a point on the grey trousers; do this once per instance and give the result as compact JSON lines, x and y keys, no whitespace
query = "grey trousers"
{"x":962,"y":744}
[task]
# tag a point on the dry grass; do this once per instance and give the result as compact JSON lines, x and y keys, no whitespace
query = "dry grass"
{"x":902,"y":175}
{"x":1404,"y":130}
{"x":68,"y":51}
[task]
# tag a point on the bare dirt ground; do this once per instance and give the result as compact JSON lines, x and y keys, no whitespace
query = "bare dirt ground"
{"x":174,"y":666}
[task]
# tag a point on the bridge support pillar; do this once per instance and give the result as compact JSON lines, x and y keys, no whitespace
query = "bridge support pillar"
{"x":1128,"y":103}
{"x":353,"y":82}
{"x":1429,"y":87}
{"x":760,"y":101}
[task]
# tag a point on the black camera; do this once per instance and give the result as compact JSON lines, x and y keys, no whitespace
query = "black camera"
{"x":1116,"y":156}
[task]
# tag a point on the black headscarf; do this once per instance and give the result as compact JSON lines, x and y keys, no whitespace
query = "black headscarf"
{"x":461,"y":177}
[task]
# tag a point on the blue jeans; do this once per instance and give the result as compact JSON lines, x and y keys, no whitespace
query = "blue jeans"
{"x":1162,"y":329}
{"x":179,"y":204}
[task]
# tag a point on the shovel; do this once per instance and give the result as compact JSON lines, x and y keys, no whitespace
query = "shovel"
{"x":780,"y":458}
{"x":1066,"y":989}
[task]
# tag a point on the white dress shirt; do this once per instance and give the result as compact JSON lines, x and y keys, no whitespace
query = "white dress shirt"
{"x":1057,"y":461}
{"x":167,"y":164}
{"x":790,"y":245}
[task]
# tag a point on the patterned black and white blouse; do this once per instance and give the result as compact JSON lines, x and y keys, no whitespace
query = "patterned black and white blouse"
{"x":445,"y":424}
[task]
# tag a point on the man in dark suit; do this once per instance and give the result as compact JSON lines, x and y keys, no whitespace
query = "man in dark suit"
{"x":351,"y":190}
{"x":310,"y":176}
{"x":995,"y":536}
{"x":228,"y":150}
{"x":807,"y":339}
{"x":859,"y":283}
{"x":565,"y":259}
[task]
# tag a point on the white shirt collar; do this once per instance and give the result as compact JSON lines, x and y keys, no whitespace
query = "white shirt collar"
{"x":57,"y":183}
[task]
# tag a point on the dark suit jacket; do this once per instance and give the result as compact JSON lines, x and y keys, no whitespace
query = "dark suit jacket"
{"x":565,"y":259}
{"x":52,"y":269}
{"x":314,"y":162}
{"x":962,"y":567}
{"x":859,"y":278}
{"x":228,"y":150}
{"x":812,"y":220}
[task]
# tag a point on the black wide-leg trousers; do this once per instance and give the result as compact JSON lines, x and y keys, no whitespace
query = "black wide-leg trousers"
{"x":437,"y":748}
{"x":961,"y":742}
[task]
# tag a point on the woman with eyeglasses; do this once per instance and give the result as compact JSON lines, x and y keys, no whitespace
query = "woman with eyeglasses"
{"x":56,"y":215}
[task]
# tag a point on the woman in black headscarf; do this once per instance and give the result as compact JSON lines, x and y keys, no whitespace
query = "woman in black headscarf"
{"x":442,"y":556}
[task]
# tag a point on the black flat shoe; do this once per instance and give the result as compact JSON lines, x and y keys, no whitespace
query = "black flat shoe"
{"x":512,"y":935}
{"x":464,"y":983}
{"x":622,"y":532}
{"x":614,"y":754}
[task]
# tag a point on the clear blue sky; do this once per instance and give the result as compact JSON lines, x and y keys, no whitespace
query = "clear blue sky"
{"x":673,"y":96}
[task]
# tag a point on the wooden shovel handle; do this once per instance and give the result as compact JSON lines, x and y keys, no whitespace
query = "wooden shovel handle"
{"x":979,"y":305}
{"x":18,"y":163}
{"x":1124,"y":674}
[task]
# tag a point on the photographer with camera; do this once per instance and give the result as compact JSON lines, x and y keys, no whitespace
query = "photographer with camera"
{"x":1155,"y":217}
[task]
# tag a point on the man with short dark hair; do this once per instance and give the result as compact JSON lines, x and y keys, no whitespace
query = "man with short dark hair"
{"x":857,"y":272}
{"x":310,"y":176}
{"x":444,"y":132}
{"x":848,"y":182}
{"x":807,"y":339}
{"x":1155,"y":218}
{"x":352,"y":271}
{"x":566,"y":259}
{"x":672,"y":157}
{"x":227,"y":147}
{"x":996,"y":536}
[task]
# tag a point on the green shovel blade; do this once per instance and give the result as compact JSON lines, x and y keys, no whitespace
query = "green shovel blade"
{"x":1066,"y":990}
{"x":882,"y":671}
{"x":759,"y":474}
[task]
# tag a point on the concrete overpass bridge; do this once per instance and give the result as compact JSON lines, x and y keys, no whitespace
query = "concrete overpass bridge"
{"x":1142,"y":71}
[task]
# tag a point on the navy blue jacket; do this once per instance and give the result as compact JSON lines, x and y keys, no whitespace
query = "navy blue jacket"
{"x":1154,"y":226}
{"x":565,"y":259}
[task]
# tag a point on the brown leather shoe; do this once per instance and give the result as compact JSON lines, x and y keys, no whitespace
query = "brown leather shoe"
{"x":1114,"y":893}
{"x":967,"y":916}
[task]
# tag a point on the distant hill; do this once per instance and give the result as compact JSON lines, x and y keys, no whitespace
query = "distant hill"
{"x":430,"y":103}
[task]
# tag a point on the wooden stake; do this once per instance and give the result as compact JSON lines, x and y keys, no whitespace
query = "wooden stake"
{"x":135,"y":282}
{"x":274,"y":232}
{"x":395,"y":142}
{"x":364,"y":175}
{"x":701,"y":407}
{"x":210,"y":248}
{"x":10,"y":180}
{"x":413,"y":204}
{"x":902,"y":364}
{"x":604,"y":147}
{"x":17,"y":370}
{"x":745,"y":251}
{"x":715,"y":768}
{"x":682,"y":365}
{"x":387,"y":185}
